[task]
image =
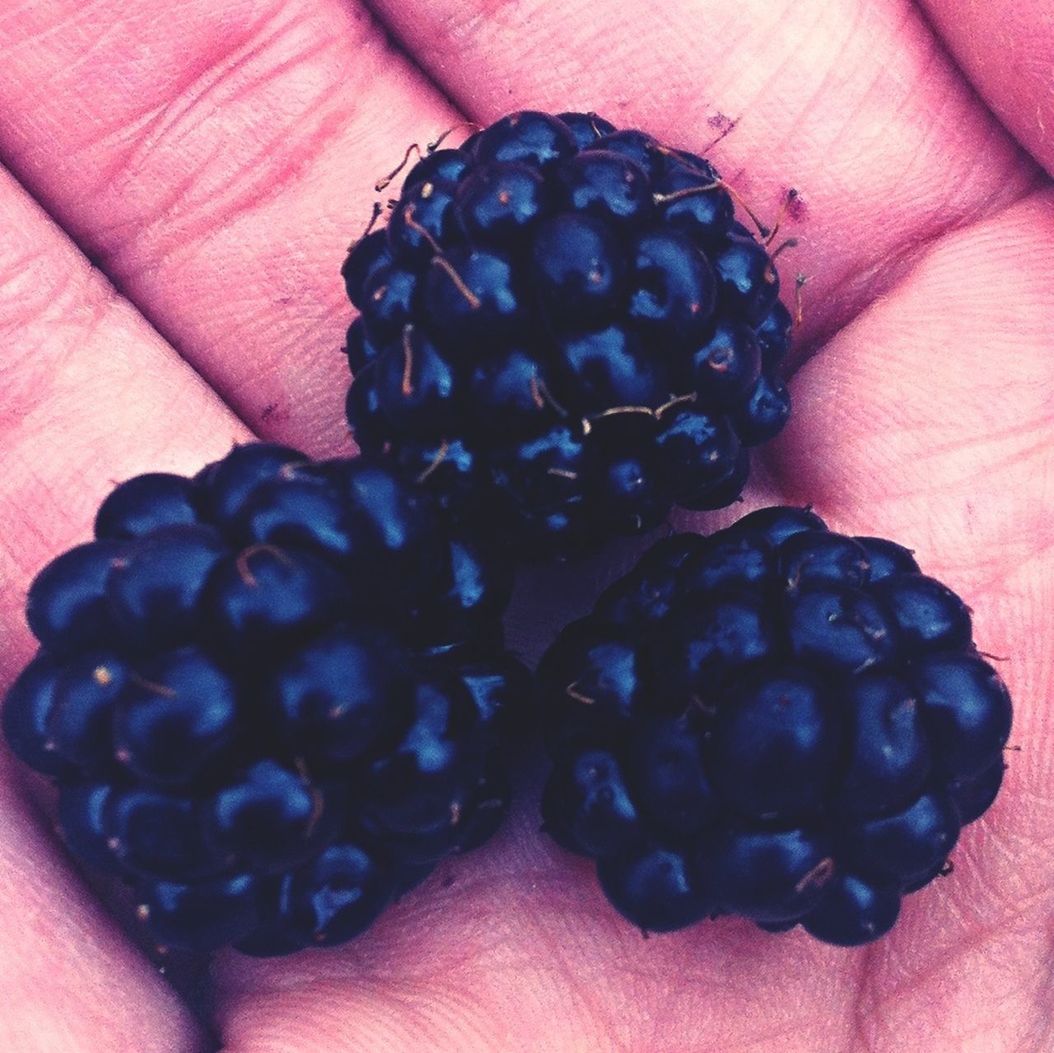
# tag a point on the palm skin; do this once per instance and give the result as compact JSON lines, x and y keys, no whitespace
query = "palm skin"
{"x":214,"y":160}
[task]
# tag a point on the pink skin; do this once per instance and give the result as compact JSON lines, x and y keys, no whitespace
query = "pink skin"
{"x":216,"y":159}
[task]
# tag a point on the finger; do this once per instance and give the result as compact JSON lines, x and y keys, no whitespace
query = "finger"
{"x":220,"y":167}
{"x":1006,"y":47}
{"x":853,"y":103}
{"x":507,"y":947}
{"x":90,"y":395}
{"x":217,"y":164}
{"x":929,"y":420}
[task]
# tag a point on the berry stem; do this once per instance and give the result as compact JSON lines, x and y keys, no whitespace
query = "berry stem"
{"x":439,"y":458}
{"x":573,"y":692}
{"x":412,"y":223}
{"x":763,"y":230}
{"x":727,"y":130}
{"x":459,"y":283}
{"x":818,"y":876}
{"x":407,"y":388}
{"x":788,"y":243}
{"x":242,"y":562}
{"x":799,"y":284}
{"x":676,"y":400}
{"x":791,"y":195}
{"x":436,"y":143}
{"x":688,"y":191}
{"x":385,"y":181}
{"x":540,"y":386}
{"x":377,"y":210}
{"x":153,"y":687}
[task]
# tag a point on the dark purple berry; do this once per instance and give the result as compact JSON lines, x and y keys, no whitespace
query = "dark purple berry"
{"x":898,"y":848}
{"x":928,"y":615}
{"x":223,"y":488}
{"x":507,"y":393}
{"x":888,"y":749}
{"x":440,"y":167}
{"x":671,"y":296}
{"x":175,"y":719}
{"x":157,"y":834}
{"x":336,"y":697}
{"x":424,"y":217}
{"x":471,"y":300}
{"x":499,"y":204}
{"x":697,"y":453}
{"x":853,"y":912}
{"x":80,"y":725}
{"x":363,"y":410}
{"x":202,"y":916}
{"x":82,"y":823}
{"x":773,"y":747}
{"x":277,"y":713}
{"x":608,"y":368}
{"x":725,"y":366}
{"x":967,"y":709}
{"x":417,"y":387}
{"x":530,"y":137}
{"x":67,"y":606}
{"x":887,"y":557}
{"x":271,"y":817}
{"x":691,"y":199}
{"x":778,"y":523}
{"x":766,"y":410}
{"x":821,"y":558}
{"x":586,"y":127}
{"x":777,"y":721}
{"x":587,"y":806}
{"x":770,"y":875}
{"x":605,"y":185}
{"x":548,"y":273}
{"x":577,"y":271}
{"x":145,"y":503}
{"x":747,"y":282}
{"x":27,"y":714}
{"x":154,"y":593}
{"x":390,"y":298}
{"x":365,"y":255}
{"x":774,"y":336}
{"x":655,"y":889}
{"x":638,"y":147}
{"x":333,"y":898}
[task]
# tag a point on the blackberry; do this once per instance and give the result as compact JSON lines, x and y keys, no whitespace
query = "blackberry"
{"x":272,"y":696}
{"x":776,"y":721}
{"x":564,"y":329}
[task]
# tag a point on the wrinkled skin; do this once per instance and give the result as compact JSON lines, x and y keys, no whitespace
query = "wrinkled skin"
{"x":213,"y":160}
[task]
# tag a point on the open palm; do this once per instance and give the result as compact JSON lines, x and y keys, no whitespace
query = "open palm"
{"x":213,"y":160}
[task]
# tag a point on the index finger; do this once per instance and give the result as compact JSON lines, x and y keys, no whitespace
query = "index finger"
{"x":218,"y":164}
{"x":1006,"y":47}
{"x":854,"y":103}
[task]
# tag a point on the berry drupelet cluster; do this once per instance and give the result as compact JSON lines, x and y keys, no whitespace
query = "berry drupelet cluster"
{"x":275,"y":695}
{"x":777,"y":721}
{"x":564,"y":326}
{"x":272,"y":696}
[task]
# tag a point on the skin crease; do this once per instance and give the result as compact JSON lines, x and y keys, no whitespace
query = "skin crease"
{"x":214,"y":161}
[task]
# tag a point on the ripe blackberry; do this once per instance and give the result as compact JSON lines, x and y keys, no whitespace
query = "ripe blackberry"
{"x":563,"y":326}
{"x":776,"y":721}
{"x":272,"y":696}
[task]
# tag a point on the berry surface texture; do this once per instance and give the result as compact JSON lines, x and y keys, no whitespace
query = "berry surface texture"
{"x":778,"y":722}
{"x":564,"y":328}
{"x":272,"y":697}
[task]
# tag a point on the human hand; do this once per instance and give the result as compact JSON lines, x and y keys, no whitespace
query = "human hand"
{"x":214,"y":160}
